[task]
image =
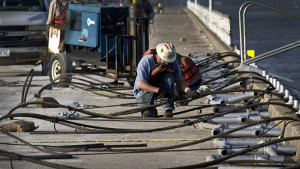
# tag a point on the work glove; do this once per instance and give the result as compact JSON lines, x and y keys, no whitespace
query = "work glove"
{"x":164,"y":93}
{"x":193,"y":94}
{"x":168,"y":68}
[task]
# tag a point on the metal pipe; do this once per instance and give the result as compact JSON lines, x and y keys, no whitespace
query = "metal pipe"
{"x":263,"y":125}
{"x":218,"y":109}
{"x":249,"y":81}
{"x":246,"y":167}
{"x":236,"y":85}
{"x":240,"y":141}
{"x":253,"y":131}
{"x":260,"y":108}
{"x":234,"y":120}
{"x":211,"y":126}
{"x":241,"y":97}
{"x":216,"y":101}
{"x":273,"y":52}
{"x":282,"y":150}
{"x":263,"y":114}
{"x":241,"y":133}
{"x":271,"y":151}
{"x":248,"y":157}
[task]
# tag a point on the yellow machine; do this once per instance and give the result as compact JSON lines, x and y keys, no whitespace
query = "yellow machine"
{"x":160,"y":7}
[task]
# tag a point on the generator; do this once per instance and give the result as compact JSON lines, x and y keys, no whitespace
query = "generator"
{"x":96,"y":39}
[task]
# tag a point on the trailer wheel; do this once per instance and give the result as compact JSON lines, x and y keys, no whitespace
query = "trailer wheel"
{"x":45,"y":68}
{"x":60,"y":65}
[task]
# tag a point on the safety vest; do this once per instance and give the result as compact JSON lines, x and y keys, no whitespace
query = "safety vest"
{"x":188,"y":68}
{"x":61,"y":19}
{"x":150,"y":51}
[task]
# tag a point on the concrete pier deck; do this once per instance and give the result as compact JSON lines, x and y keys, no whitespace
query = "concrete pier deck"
{"x":177,"y":26}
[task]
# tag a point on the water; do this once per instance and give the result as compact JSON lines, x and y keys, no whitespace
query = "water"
{"x":267,"y":30}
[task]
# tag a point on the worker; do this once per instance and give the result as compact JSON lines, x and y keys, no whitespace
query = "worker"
{"x":190,"y":73}
{"x":146,"y":6}
{"x":156,"y":74}
{"x":160,"y":7}
{"x":57,"y":19}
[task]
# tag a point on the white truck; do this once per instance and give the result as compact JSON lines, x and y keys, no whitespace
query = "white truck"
{"x":23,"y":32}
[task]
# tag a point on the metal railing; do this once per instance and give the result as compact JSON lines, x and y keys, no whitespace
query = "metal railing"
{"x":273,"y":52}
{"x":242,"y":29}
{"x":217,"y":22}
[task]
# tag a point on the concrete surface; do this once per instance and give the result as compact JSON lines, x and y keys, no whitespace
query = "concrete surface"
{"x":175,"y":26}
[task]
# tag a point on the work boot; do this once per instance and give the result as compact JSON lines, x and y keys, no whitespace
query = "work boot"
{"x":149,"y":113}
{"x":168,"y":114}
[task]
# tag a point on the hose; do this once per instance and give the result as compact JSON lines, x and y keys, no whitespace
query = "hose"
{"x":214,"y":67}
{"x":249,"y":149}
{"x":75,"y":84}
{"x":15,"y":156}
{"x":210,"y":60}
{"x":28,"y":144}
{"x":118,"y":130}
{"x":27,"y":85}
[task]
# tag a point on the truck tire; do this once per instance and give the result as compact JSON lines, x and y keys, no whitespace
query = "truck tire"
{"x":60,"y":65}
{"x":45,"y":68}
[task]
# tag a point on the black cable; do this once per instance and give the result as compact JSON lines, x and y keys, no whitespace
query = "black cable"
{"x":208,"y":138}
{"x":11,"y":163}
{"x":228,"y":74}
{"x":15,"y":156}
{"x":100,"y":130}
{"x":211,"y":60}
{"x":26,"y":143}
{"x":284,"y":127}
{"x":124,"y":112}
{"x":297,"y":166}
{"x":81,"y":110}
{"x":219,"y":77}
{"x":118,"y":130}
{"x":217,"y":161}
{"x":270,"y":128}
{"x":111,"y":91}
{"x":202,"y":94}
{"x":27,"y":85}
{"x":75,"y":84}
{"x":214,"y":67}
{"x":70,"y":76}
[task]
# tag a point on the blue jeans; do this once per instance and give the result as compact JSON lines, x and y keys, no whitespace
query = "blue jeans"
{"x":166,"y":82}
{"x":194,"y":86}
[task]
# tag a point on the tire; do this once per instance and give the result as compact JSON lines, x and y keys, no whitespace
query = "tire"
{"x":45,"y":68}
{"x":60,"y":65}
{"x":45,"y":64}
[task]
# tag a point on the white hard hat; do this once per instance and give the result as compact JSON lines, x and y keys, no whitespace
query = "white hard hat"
{"x":166,"y":51}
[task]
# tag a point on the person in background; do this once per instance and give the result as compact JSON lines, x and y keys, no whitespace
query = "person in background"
{"x":190,"y":73}
{"x":156,"y":75}
{"x":57,"y":18}
{"x":146,"y":6}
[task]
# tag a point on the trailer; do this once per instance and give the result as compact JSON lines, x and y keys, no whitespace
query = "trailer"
{"x":97,"y":39}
